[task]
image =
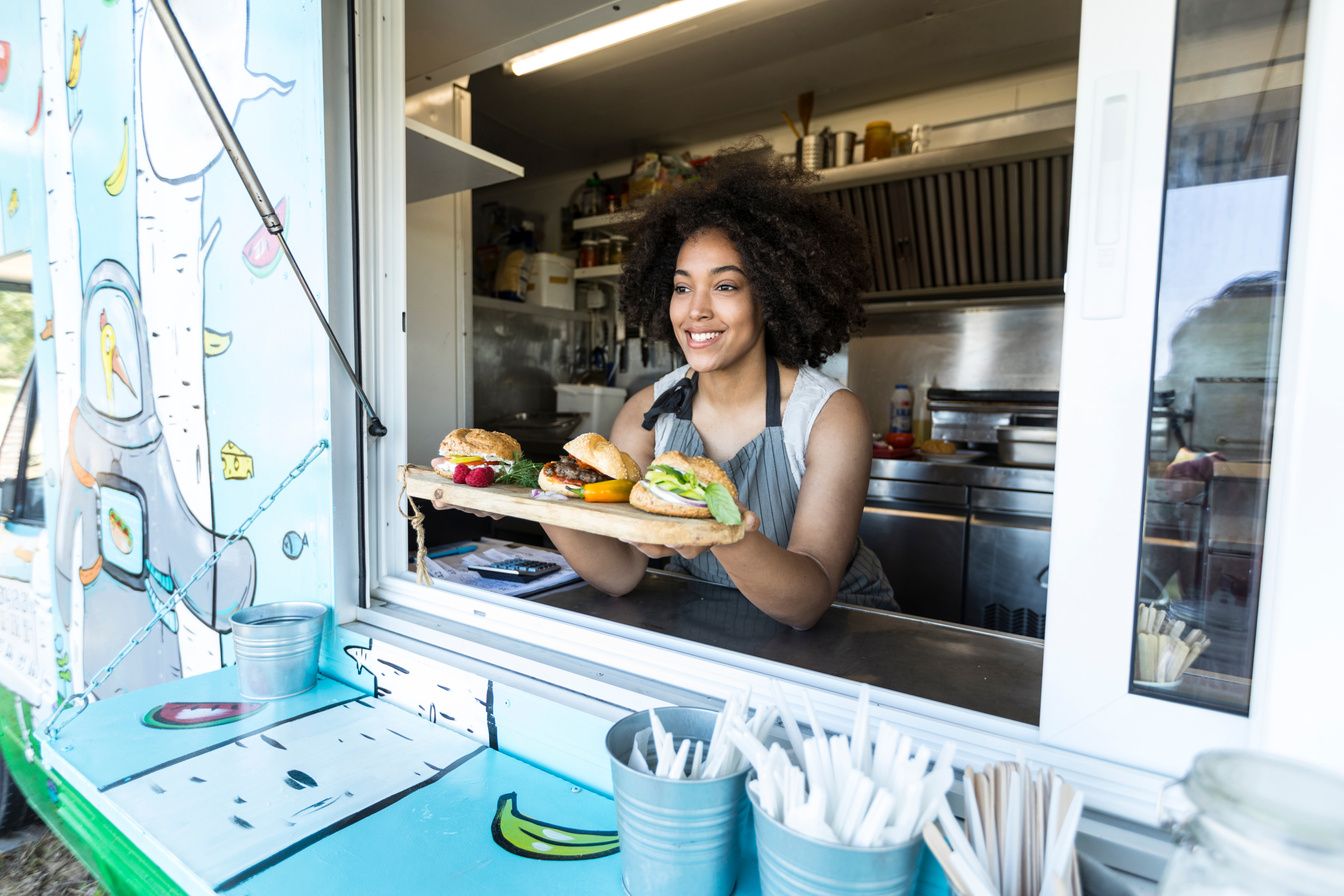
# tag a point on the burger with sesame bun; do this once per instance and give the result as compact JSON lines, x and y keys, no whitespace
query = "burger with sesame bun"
{"x":465,"y":450}
{"x":691,"y":487}
{"x":590,"y":459}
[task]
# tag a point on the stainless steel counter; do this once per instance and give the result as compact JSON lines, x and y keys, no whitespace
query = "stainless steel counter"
{"x":978,"y":474}
{"x":978,"y":670}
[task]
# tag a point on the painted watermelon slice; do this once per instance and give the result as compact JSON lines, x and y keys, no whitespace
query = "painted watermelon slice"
{"x":198,"y":715}
{"x":261,"y":254}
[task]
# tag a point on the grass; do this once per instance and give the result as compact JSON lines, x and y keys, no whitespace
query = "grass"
{"x":44,"y":867}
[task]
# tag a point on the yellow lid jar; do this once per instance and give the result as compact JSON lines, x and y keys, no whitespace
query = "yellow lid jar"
{"x":877,"y":140}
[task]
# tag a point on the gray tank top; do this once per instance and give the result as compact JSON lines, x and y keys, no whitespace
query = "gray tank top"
{"x":766,"y":485}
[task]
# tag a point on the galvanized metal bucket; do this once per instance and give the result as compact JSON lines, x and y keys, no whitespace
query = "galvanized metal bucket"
{"x":276,"y":646}
{"x":677,"y":836}
{"x":793,"y":864}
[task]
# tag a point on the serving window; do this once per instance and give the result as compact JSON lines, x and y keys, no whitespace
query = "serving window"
{"x":1089,"y":704}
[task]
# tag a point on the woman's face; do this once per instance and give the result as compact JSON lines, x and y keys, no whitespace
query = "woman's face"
{"x":712,"y":312}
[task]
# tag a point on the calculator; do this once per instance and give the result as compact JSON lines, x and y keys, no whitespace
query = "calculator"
{"x":516,"y":570}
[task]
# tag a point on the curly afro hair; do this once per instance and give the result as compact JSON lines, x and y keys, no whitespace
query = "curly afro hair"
{"x":806,"y":259}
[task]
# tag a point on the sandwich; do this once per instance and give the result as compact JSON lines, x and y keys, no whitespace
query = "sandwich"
{"x":692,"y":487}
{"x":591,"y":459}
{"x":464,"y":450}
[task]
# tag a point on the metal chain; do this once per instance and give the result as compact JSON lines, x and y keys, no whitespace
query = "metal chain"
{"x":52,"y":730}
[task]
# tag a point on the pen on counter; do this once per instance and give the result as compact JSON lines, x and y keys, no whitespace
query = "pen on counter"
{"x":448,"y":552}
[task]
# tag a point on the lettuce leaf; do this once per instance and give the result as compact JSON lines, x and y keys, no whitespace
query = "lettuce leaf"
{"x":722,"y":505}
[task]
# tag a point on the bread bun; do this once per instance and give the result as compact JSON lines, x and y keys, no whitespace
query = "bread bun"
{"x":704,"y":469}
{"x":937,"y":446}
{"x":603,"y":456}
{"x":480,"y":443}
{"x":547,"y":481}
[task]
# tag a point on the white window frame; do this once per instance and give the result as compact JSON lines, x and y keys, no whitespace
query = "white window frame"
{"x":1120,"y":748}
{"x":1086,"y":705}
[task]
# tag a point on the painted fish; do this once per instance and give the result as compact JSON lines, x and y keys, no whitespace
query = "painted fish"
{"x":293,"y":544}
{"x":533,"y":839}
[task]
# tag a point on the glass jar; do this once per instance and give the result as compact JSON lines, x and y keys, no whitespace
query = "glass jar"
{"x":1251,"y":824}
{"x":877,"y":140}
{"x":617,"y":253}
{"x":603,"y":251}
{"x":587,"y":252}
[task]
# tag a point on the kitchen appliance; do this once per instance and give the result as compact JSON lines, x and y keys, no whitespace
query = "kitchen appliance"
{"x":1027,"y":446}
{"x":973,"y":417}
{"x":1233,"y":415}
{"x":1008,"y":561}
{"x":918,"y":531}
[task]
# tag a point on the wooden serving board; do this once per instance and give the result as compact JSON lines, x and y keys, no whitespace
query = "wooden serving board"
{"x":615,"y":520}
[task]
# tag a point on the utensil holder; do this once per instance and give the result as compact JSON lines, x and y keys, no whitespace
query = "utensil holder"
{"x":793,"y":864}
{"x":277,"y":646}
{"x":677,"y":836}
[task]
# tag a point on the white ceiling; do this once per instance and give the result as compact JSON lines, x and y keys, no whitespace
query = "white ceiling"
{"x":727,"y":72}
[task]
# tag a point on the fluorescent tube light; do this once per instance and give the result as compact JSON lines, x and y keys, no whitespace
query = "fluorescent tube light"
{"x":615,"y":33}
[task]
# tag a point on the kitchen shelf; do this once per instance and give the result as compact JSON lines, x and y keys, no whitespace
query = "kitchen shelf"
{"x":605,"y":272}
{"x":976,"y":295}
{"x":603,"y":222}
{"x":999,"y":151}
{"x":955,"y":158}
{"x":525,"y":308}
{"x":438,"y":164}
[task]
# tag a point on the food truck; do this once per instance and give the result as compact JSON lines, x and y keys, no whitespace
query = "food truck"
{"x":1102,"y":230}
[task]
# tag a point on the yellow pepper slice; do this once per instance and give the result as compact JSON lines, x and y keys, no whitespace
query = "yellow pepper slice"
{"x":609,"y":491}
{"x":466,"y":459}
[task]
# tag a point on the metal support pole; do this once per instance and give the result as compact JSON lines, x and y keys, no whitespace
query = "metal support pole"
{"x":210,"y":102}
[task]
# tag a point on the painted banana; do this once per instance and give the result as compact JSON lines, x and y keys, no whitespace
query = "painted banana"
{"x":533,"y":839}
{"x":117,"y":179}
{"x":13,"y":208}
{"x":76,"y":57}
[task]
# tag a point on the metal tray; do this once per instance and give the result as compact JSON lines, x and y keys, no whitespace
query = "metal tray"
{"x":539,"y":425}
{"x":1027,"y":446}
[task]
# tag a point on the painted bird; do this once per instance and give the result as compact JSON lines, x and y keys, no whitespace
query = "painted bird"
{"x":111,"y":357}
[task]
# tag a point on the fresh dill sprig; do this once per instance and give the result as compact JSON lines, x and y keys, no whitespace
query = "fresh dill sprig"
{"x":523,"y":472}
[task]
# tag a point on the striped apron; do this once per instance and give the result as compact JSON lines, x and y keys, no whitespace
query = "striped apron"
{"x":765,"y":484}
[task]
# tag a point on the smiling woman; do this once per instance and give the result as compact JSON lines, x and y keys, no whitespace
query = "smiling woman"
{"x":754,"y":281}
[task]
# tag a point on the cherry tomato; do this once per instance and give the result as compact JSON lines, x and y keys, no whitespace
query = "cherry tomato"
{"x":609,"y":491}
{"x":900,"y":439}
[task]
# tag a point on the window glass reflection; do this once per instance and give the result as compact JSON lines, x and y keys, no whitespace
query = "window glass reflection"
{"x":1232,"y":143}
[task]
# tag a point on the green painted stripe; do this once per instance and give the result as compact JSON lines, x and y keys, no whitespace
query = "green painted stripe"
{"x":119,"y":865}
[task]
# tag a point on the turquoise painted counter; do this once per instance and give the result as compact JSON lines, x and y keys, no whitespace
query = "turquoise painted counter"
{"x":334,"y":789}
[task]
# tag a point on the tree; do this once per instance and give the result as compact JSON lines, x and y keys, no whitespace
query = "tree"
{"x":16,"y":332}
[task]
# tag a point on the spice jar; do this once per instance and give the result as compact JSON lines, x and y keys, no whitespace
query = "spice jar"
{"x":613,"y":204}
{"x":877,"y":140}
{"x":617,"y":253}
{"x":587,"y":252}
{"x":1251,"y":824}
{"x":603,"y":250}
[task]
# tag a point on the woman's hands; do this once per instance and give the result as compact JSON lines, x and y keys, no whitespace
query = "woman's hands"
{"x":750,"y":521}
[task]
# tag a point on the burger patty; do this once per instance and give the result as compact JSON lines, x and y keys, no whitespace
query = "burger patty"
{"x":569,"y":468}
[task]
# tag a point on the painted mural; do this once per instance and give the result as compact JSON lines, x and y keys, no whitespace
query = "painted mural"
{"x":181,"y":372}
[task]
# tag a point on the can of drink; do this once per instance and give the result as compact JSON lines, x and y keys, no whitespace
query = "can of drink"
{"x":902,"y":402}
